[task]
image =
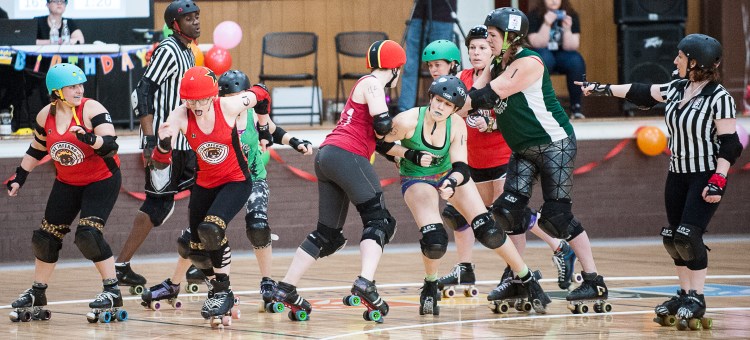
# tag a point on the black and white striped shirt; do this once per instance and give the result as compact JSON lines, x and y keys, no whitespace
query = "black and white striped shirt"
{"x":170,"y":60}
{"x":695,"y":144}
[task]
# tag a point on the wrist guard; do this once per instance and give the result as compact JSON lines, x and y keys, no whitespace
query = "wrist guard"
{"x":484,"y":98}
{"x":20,"y":177}
{"x":414,"y":156}
{"x":716,"y":184}
{"x":165,"y":145}
{"x":452,"y":183}
{"x":295,"y":143}
{"x":600,"y":90}
{"x":88,"y":137}
{"x":264,"y":133}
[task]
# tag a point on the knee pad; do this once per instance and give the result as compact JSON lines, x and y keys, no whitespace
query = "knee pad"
{"x":453,"y":219}
{"x":212,"y":232}
{"x":323,"y":242}
{"x":221,"y":257}
{"x":378,"y":223}
{"x":511,"y":213}
{"x":667,"y":234}
{"x":557,"y":219}
{"x":183,"y":244}
{"x":434,"y":241}
{"x":201,"y":259}
{"x":487,"y":232}
{"x":158,"y":209}
{"x":90,"y":240}
{"x":46,"y":246}
{"x":688,"y":240}
{"x":257,"y":229}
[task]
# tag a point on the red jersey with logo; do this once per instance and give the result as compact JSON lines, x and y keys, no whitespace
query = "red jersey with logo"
{"x":354,"y":132}
{"x":485,"y":150}
{"x":75,"y":161}
{"x":220,"y":157}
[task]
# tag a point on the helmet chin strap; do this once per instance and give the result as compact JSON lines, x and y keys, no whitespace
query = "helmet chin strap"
{"x":394,"y":73}
{"x":179,"y":31}
{"x":66,"y":102}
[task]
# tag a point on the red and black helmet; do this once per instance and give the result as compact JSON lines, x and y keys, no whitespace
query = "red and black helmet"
{"x":385,"y":54}
{"x":198,"y":83}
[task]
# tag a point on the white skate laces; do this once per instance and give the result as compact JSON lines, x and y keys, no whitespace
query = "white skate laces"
{"x":106,"y":296}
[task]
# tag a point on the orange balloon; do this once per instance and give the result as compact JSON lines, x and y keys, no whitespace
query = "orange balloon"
{"x":197,"y":53}
{"x":651,"y":140}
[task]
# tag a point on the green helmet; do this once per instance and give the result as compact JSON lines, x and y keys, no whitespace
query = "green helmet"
{"x":62,"y":75}
{"x":441,"y":50}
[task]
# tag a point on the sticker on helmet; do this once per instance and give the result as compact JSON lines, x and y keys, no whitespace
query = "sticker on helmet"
{"x":514,"y":22}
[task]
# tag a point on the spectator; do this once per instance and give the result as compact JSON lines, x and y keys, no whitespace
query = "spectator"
{"x":55,"y":20}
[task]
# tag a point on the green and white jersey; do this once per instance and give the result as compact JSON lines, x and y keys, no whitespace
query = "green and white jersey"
{"x":256,"y":159}
{"x":533,"y":116}
{"x":442,"y":161}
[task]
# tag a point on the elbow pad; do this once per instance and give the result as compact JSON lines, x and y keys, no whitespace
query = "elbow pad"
{"x":484,"y":98}
{"x":109,"y":147}
{"x":382,"y":124}
{"x":463,"y":169}
{"x":730,"y":147}
{"x":278,"y":134}
{"x":142,"y":99}
{"x":382,"y":147}
{"x":640,"y":94}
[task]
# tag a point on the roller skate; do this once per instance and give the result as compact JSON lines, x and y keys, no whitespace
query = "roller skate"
{"x":127,"y":277}
{"x":524,"y":294}
{"x":564,"y":260}
{"x":30,"y":305}
{"x":462,"y":276}
{"x":194,"y":277}
{"x":285,"y":295}
{"x":365,"y":292}
{"x":593,"y":290}
{"x":428,"y":298}
{"x":665,"y":312}
{"x":267,"y":285}
{"x":222,"y":306}
{"x":164,"y":291}
{"x":691,"y":313}
{"x":107,"y":306}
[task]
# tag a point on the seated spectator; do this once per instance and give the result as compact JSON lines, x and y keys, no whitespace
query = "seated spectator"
{"x":555,"y":33}
{"x":55,"y":20}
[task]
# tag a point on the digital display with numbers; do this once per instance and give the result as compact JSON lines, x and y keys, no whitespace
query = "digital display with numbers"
{"x":79,"y":9}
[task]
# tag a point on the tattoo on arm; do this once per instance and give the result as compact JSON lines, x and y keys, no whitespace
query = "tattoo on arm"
{"x":514,"y":73}
{"x":245,"y":100}
{"x":373,"y":90}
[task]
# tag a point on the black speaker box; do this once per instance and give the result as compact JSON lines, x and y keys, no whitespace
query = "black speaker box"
{"x":643,"y":11}
{"x":647,"y":52}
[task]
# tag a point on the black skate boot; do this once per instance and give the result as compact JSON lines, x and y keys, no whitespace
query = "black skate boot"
{"x":535,"y":294}
{"x":164,"y":291}
{"x":30,"y":305}
{"x":106,"y":306}
{"x":219,"y":308}
{"x":285,"y":295}
{"x":127,"y":277}
{"x":510,"y":292}
{"x":364,"y":291}
{"x":564,"y":260}
{"x":462,"y":276}
{"x":428,"y":298}
{"x":194,"y":278}
{"x":666,"y":311}
{"x":267,"y":285}
{"x":691,"y":312}
{"x":592,"y":289}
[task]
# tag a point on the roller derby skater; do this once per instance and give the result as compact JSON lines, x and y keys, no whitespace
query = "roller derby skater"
{"x":523,"y":293}
{"x":691,"y":312}
{"x":364,"y":292}
{"x":127,"y":277}
{"x":428,"y":298}
{"x":30,"y":305}
{"x":107,"y":306}
{"x":166,"y":290}
{"x":667,"y":311}
{"x":285,"y":295}
{"x":462,"y":276}
{"x":592,"y":290}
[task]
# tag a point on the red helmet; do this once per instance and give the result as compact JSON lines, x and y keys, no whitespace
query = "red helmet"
{"x":199,"y":82}
{"x":385,"y":54}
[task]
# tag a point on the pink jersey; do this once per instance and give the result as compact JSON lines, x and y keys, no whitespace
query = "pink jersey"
{"x":486,"y":150}
{"x":354,"y":132}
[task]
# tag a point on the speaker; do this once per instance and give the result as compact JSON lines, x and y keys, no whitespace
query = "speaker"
{"x":647,"y":52}
{"x":642,"y":11}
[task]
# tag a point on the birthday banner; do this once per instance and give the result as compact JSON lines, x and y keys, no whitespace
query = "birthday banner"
{"x":87,"y":62}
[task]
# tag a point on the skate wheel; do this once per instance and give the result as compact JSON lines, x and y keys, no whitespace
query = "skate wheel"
{"x":499,"y":307}
{"x":375,"y":315}
{"x":695,"y":324}
{"x":192,"y":288}
{"x":578,"y":278}
{"x":682,"y":325}
{"x":299,"y":315}
{"x":669,"y":320}
{"x":121,"y":315}
{"x":25,"y":316}
{"x":525,"y":306}
{"x":226,"y":321}
{"x":105,"y":317}
{"x":216,"y":322}
{"x":471,"y":292}
{"x":582,"y":309}
{"x":277,"y":307}
{"x":92,"y":317}
{"x":176,"y":303}
{"x":707,"y":323}
{"x":136,"y":290}
{"x":235,"y":313}
{"x":14,"y":316}
{"x":352,"y":300}
{"x":604,"y":307}
{"x":46,"y":314}
{"x":449,"y":293}
{"x":155,"y":305}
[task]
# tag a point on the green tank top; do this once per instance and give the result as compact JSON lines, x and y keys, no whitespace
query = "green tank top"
{"x":256,"y":160}
{"x":533,"y":116}
{"x":417,"y":143}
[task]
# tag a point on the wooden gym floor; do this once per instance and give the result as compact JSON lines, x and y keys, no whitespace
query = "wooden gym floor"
{"x":636,"y":271}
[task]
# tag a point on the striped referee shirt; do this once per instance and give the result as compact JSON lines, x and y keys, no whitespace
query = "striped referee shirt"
{"x":170,"y":60}
{"x":695,"y":144}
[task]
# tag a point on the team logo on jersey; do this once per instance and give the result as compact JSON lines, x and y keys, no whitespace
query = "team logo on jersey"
{"x":212,"y":152}
{"x":65,"y":153}
{"x":697,"y":103}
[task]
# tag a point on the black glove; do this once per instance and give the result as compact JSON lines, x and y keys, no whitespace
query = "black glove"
{"x":88,"y":137}
{"x":265,"y":133}
{"x":294,"y":143}
{"x":165,"y":145}
{"x":414,"y":156}
{"x":148,"y":143}
{"x":600,"y":90}
{"x":19,"y":178}
{"x":716,"y":185}
{"x":452,"y":183}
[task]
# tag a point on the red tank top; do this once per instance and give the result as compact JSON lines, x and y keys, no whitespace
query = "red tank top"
{"x":75,"y":161}
{"x":354,"y":132}
{"x":220,"y":157}
{"x":486,"y":150}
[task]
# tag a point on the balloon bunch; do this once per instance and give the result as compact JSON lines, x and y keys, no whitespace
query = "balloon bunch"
{"x":227,"y":35}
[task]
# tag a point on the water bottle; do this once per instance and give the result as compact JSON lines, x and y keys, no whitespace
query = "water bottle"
{"x":54,"y":37}
{"x":65,"y":32}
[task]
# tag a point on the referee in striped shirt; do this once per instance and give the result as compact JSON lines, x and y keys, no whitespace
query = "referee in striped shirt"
{"x":156,"y":95}
{"x":700,"y":116}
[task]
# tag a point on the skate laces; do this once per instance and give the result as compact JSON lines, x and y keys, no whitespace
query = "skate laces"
{"x":29,"y":292}
{"x":106,"y":296}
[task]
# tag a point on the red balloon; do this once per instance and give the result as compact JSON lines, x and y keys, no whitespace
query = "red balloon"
{"x":218,"y":60}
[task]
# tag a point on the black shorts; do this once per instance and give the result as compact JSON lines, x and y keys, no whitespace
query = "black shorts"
{"x":178,"y":176}
{"x":93,"y":200}
{"x":488,"y":174}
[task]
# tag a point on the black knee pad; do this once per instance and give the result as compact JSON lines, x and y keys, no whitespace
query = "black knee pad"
{"x":487,"y":232}
{"x":212,"y":232}
{"x":201,"y":259}
{"x":158,"y":208}
{"x":511,"y":212}
{"x":323,"y":242}
{"x":453,"y":219}
{"x":221,"y":257}
{"x":688,"y":240}
{"x":46,"y":246}
{"x":378,"y":223}
{"x":667,"y":234}
{"x":434,"y":241}
{"x":90,"y":241}
{"x":257,"y":229}
{"x":557,"y":219}
{"x":575,"y":229}
{"x":183,"y":244}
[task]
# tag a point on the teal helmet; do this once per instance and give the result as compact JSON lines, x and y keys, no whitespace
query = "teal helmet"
{"x":62,"y":75}
{"x":441,"y":50}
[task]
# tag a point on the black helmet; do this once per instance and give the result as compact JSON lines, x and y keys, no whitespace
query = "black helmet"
{"x":178,"y":8}
{"x":450,"y":88}
{"x":476,"y":32}
{"x":704,"y":49}
{"x":508,"y":19}
{"x":233,"y":81}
